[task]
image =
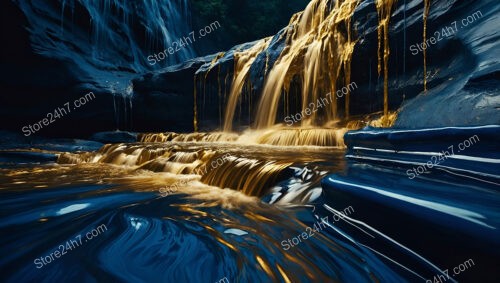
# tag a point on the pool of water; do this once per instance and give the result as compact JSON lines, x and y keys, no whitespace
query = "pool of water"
{"x":188,"y":212}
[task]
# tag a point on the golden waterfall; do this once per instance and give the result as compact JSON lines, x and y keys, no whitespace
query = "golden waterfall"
{"x":316,"y":52}
{"x":317,"y":56}
{"x":384,"y":8}
{"x":243,"y":62}
{"x":251,"y":175}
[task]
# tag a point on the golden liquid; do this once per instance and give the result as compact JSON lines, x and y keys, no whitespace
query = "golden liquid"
{"x":277,"y":135}
{"x":303,"y":136}
{"x":243,"y":61}
{"x":191,"y":137}
{"x":250,"y":169}
{"x":384,"y":121}
{"x":168,"y":172}
{"x":318,"y":52}
{"x":195,"y":108}
{"x":315,"y":47}
{"x":384,"y":8}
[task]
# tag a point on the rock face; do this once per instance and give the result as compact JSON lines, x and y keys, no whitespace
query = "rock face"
{"x":465,"y":70}
{"x":462,"y":68}
{"x":57,"y":51}
{"x":462,"y":74}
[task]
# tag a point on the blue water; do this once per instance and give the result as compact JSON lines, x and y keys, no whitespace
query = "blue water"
{"x":203,"y":233}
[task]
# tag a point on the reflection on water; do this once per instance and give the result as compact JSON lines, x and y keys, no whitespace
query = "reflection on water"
{"x":218,"y":223}
{"x":199,"y":211}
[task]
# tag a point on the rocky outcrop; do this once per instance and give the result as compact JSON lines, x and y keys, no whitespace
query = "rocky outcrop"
{"x":462,"y":74}
{"x":462,"y":71}
{"x":57,"y":51}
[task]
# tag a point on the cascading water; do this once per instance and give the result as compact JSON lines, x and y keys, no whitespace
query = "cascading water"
{"x":316,"y":47}
{"x":115,"y":45}
{"x":243,"y":61}
{"x":196,"y":207}
{"x":110,"y":42}
{"x":317,"y":56}
{"x":251,"y":174}
{"x":384,"y":9}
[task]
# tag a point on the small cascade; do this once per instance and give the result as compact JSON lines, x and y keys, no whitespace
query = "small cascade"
{"x":168,"y":164}
{"x":243,"y":62}
{"x":384,"y":121}
{"x":191,"y":137}
{"x":315,"y":46}
{"x":118,"y":154}
{"x":277,"y":135}
{"x":287,"y":136}
{"x":250,"y":176}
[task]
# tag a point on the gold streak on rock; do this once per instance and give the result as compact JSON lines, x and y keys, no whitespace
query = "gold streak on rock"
{"x":195,"y":108}
{"x":384,"y":8}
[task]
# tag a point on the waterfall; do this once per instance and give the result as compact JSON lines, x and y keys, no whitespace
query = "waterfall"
{"x":109,"y":38}
{"x":384,"y":8}
{"x":249,"y":175}
{"x":318,"y":52}
{"x":109,"y":41}
{"x":316,"y":47}
{"x":243,"y":62}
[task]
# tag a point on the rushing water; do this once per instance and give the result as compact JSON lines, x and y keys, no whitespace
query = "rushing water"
{"x":227,"y":207}
{"x":204,"y":211}
{"x":190,"y":232}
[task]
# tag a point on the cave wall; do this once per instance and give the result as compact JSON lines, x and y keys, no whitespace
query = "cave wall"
{"x":55,"y":54}
{"x":462,"y":68}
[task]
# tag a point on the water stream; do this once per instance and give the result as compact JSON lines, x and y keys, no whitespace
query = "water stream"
{"x":222,"y":215}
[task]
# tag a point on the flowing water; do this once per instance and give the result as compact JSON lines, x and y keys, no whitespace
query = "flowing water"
{"x":384,"y":11}
{"x":319,"y":45}
{"x":228,"y":207}
{"x":200,"y":207}
{"x":315,"y":47}
{"x":206,"y":206}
